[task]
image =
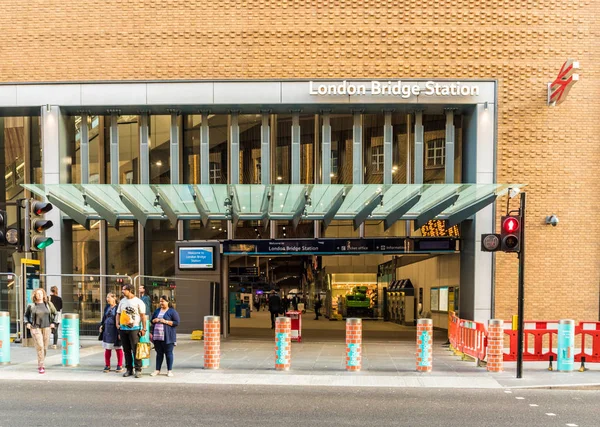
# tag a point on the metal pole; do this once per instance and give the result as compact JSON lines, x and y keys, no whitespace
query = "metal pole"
{"x":521,"y":291}
{"x":27,"y":226}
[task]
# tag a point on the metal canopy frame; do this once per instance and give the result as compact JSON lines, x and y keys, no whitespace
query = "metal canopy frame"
{"x":288,"y":202}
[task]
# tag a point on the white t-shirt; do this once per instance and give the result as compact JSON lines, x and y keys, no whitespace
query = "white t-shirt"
{"x":130,"y":310}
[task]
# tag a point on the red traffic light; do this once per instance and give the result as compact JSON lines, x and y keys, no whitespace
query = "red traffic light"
{"x":510,"y":224}
{"x":40,"y":208}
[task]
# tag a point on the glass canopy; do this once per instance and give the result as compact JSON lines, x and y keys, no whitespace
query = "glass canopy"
{"x":292,"y":202}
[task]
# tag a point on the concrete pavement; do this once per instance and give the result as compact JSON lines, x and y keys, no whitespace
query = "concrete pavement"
{"x":385,"y":364}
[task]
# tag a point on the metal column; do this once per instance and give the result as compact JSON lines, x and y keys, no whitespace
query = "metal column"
{"x":265,"y":150}
{"x":204,"y":150}
{"x":225,"y":295}
{"x":85,"y":149}
{"x":234,"y":155}
{"x":174,"y":146}
{"x":114,"y":148}
{"x":144,"y":150}
{"x":326,"y":150}
{"x":357,"y":150}
{"x":449,"y":146}
{"x":295,"y":148}
{"x":419,"y":136}
{"x":388,"y":135}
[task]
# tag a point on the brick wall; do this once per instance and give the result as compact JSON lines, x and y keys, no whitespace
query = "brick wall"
{"x":520,"y":43}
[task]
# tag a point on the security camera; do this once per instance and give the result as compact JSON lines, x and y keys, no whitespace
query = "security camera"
{"x":552,"y":220}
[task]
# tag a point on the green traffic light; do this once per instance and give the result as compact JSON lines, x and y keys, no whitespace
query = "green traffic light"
{"x":42,"y":242}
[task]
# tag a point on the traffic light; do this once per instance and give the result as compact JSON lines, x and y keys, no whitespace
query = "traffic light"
{"x":3,"y":221}
{"x":37,"y":225}
{"x":510,"y":233}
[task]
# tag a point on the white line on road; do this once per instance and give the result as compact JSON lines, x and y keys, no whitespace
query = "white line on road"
{"x":532,"y":404}
{"x":572,"y":425}
{"x":550,"y":414}
{"x":519,"y":398}
{"x":508,"y":391}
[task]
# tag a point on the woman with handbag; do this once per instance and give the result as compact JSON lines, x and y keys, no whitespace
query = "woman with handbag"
{"x":162,"y":332}
{"x":109,"y":334}
{"x":39,"y":319}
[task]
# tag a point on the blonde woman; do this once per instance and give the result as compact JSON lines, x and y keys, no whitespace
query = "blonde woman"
{"x":39,"y":319}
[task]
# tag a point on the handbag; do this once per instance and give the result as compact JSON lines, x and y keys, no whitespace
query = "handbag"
{"x":142,"y":351}
{"x":101,"y":335}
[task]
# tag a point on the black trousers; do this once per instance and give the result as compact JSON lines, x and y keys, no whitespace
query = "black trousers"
{"x":274,"y":315}
{"x":130,"y":340}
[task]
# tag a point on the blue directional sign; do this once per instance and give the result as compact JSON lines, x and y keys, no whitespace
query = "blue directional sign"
{"x":198,"y":258}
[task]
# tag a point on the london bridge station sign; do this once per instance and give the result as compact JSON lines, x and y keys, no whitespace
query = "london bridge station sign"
{"x":394,"y":88}
{"x":340,"y":246}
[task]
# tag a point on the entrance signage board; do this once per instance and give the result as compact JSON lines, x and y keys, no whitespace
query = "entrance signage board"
{"x":338,"y":246}
{"x":196,"y":258}
{"x":394,"y":88}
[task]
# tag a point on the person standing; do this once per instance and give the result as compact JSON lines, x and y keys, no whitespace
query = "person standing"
{"x":145,"y":299}
{"x":163,"y":334}
{"x":295,"y":302}
{"x":39,"y":319}
{"x":110,"y":334}
{"x":58,"y":304}
{"x":131,"y":322}
{"x":274,"y":307}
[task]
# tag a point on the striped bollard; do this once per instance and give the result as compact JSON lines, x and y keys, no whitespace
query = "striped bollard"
{"x":4,"y":337}
{"x":283,"y":343}
{"x":424,"y":345}
{"x":212,"y":342}
{"x":353,"y":344}
{"x":495,"y":348}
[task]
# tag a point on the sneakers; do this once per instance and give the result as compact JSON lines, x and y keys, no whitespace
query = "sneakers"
{"x":119,"y":369}
{"x":170,"y":374}
{"x":41,"y":370}
{"x":54,"y":347}
{"x":127,"y":374}
{"x":138,"y":374}
{"x":106,"y":369}
{"x":155,"y":373}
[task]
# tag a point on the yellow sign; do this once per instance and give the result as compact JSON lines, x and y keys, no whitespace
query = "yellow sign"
{"x":437,"y":228}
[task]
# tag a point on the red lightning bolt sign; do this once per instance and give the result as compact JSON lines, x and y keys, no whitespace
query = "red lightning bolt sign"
{"x":559,"y":88}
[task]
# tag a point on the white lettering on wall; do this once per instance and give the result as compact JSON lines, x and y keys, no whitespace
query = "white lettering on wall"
{"x":394,"y":88}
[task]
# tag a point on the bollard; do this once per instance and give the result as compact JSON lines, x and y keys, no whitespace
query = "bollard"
{"x":495,"y":348}
{"x":283,"y":343}
{"x":146,"y":338}
{"x":566,"y":345}
{"x":424,"y":345}
{"x":4,"y":337}
{"x":353,"y":344}
{"x":70,"y":339}
{"x":212,"y":342}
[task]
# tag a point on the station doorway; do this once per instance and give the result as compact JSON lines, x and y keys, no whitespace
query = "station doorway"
{"x":388,"y":293}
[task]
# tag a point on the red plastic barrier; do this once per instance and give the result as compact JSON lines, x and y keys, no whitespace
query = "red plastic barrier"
{"x":588,"y":329}
{"x":536,"y":330}
{"x":467,"y":336}
{"x":453,"y":322}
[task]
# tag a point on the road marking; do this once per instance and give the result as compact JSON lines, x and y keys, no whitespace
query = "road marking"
{"x":532,"y":404}
{"x":519,"y":398}
{"x":507,"y":391}
{"x":572,"y":425}
{"x":550,"y":414}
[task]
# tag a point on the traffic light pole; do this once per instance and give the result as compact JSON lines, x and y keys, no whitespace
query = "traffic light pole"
{"x":27,"y":226}
{"x":521,"y":291}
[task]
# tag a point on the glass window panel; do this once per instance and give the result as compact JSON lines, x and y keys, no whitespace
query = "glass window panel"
{"x":160,"y":247}
{"x":36,"y":150}
{"x":250,"y":161}
{"x":191,"y":148}
{"x":14,"y":156}
{"x":86,"y":248}
{"x":341,"y":148}
{"x":159,"y":143}
{"x":373,"y":148}
{"x":216,"y":230}
{"x":434,"y":143}
{"x":129,"y":149}
{"x":307,"y":148}
{"x":96,"y":136}
{"x":122,"y":253}
{"x":218,"y":142}
{"x":400,"y":149}
{"x":283,"y":151}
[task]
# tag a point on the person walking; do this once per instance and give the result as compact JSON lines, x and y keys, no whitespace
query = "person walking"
{"x":131,"y":323}
{"x":162,"y":332}
{"x":295,"y":302}
{"x":110,"y":334}
{"x":318,"y":305}
{"x":274,"y":307}
{"x":39,"y":319}
{"x":58,"y":304}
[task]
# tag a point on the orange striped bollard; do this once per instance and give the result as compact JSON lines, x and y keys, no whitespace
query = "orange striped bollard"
{"x":283,"y":343}
{"x":424,"y":345}
{"x":212,"y":342}
{"x":353,"y":344}
{"x":495,"y":347}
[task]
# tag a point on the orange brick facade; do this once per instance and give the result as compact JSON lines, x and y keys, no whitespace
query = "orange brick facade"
{"x":522,"y":44}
